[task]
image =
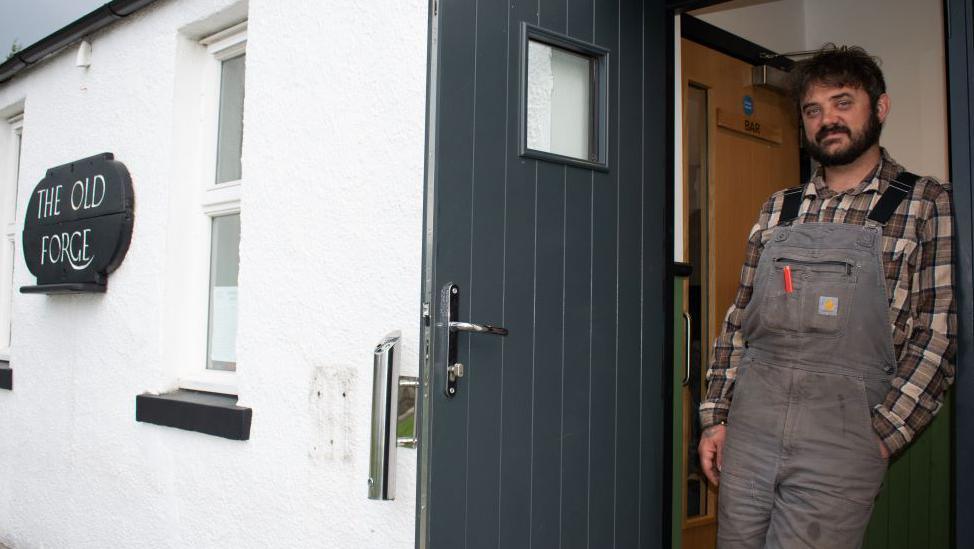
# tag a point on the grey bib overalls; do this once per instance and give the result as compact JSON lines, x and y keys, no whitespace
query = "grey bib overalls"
{"x":802,"y":464}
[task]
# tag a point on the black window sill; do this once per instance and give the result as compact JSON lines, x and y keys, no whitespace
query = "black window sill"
{"x":6,"y":376}
{"x":208,"y":413}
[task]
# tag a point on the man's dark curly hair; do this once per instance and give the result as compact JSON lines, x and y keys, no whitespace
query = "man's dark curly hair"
{"x":838,"y":66}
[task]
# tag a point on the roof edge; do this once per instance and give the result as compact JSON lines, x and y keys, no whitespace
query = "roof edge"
{"x":98,"y":19}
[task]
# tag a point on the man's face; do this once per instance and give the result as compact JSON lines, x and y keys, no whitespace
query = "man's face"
{"x":841,"y":123}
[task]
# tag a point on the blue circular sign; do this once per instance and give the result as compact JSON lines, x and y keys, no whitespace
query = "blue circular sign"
{"x":748,"y":105}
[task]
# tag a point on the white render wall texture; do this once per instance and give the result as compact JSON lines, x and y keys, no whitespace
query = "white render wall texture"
{"x":330,"y":262}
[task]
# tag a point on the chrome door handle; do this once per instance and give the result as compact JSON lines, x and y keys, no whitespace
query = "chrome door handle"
{"x":387,"y":385}
{"x":687,"y":322}
{"x":447,"y":330}
{"x":477,"y":328}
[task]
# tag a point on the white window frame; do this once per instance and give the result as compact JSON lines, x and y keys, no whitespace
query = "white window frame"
{"x":8,"y":220}
{"x":215,"y":200}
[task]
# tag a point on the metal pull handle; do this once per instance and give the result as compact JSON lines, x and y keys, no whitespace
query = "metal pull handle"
{"x":385,"y":416}
{"x":687,"y":323}
{"x":477,"y":328}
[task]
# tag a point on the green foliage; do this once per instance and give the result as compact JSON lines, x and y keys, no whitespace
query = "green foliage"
{"x":14,"y":48}
{"x":406,"y":427}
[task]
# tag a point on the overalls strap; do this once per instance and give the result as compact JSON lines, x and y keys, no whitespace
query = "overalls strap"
{"x":899,"y":188}
{"x":791,"y":205}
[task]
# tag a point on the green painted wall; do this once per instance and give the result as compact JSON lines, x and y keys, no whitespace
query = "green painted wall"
{"x":679,"y":348}
{"x":914,"y":507}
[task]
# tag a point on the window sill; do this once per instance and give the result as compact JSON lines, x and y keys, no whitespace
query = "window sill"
{"x":208,"y":413}
{"x":6,"y":376}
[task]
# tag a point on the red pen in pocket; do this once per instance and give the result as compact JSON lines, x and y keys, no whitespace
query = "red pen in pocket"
{"x":787,"y":273}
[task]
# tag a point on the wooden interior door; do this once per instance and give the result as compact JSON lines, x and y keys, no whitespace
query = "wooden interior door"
{"x":740,"y":144}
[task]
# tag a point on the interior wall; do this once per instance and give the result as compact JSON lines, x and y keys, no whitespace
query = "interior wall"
{"x":907,"y":35}
{"x":778,"y":25}
{"x":678,"y":221}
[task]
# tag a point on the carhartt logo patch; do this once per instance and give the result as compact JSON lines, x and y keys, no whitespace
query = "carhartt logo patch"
{"x":828,"y":306}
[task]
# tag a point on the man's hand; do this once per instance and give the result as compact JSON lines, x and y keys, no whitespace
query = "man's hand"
{"x":883,"y":451}
{"x":711,"y":450}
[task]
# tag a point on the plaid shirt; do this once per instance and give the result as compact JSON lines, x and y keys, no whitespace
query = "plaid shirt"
{"x":918,"y":261}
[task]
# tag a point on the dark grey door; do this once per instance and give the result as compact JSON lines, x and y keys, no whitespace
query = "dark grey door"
{"x":548,"y":210}
{"x":959,"y":15}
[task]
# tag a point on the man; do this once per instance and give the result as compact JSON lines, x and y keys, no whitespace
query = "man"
{"x":839,"y":345}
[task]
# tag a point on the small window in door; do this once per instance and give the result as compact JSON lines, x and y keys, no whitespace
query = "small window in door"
{"x":563,"y":99}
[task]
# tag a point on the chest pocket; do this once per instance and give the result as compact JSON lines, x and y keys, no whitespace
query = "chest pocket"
{"x":820,"y":301}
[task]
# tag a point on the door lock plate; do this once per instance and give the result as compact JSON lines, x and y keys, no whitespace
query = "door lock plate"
{"x":447,"y":330}
{"x":454,"y":371}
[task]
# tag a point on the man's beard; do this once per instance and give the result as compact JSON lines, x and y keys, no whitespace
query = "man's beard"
{"x":859,"y":143}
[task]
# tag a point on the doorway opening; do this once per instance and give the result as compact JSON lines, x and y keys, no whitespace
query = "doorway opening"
{"x":737,"y":141}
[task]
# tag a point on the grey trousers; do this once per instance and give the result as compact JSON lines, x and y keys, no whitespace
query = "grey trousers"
{"x":801,"y":462}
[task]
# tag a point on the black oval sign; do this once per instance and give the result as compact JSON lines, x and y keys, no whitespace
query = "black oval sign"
{"x":78,"y":225}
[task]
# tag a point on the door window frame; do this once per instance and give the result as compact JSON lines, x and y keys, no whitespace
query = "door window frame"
{"x":959,"y":52}
{"x":958,"y":18}
{"x":599,"y":57}
{"x":960,"y":65}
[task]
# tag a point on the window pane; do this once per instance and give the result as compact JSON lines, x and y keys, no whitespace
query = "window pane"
{"x":559,"y":101}
{"x":230,"y":137}
{"x":224,"y":264}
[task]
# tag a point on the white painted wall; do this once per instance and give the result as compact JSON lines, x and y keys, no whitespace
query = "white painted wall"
{"x":330,"y":262}
{"x":778,"y":25}
{"x":906,"y":34}
{"x":678,"y":198}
